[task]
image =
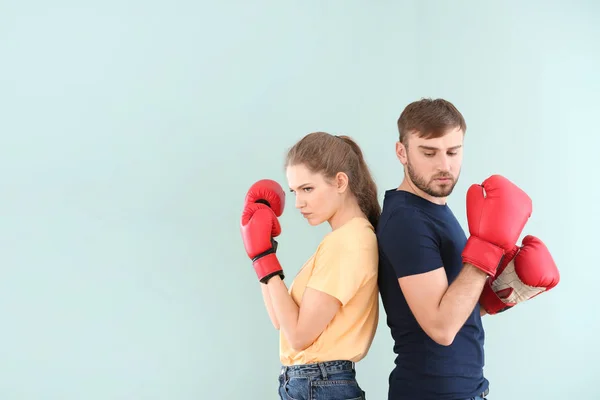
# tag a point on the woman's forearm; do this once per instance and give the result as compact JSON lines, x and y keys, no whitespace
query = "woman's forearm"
{"x":269,"y":305}
{"x":285,"y":309}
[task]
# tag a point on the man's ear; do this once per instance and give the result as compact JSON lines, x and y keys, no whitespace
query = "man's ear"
{"x":341,"y":182}
{"x":401,"y":153}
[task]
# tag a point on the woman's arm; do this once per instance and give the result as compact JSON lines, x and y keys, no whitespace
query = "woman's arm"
{"x":301,"y":325}
{"x":269,"y":305}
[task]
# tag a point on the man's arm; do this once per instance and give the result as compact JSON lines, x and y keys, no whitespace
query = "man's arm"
{"x":441,"y":310}
{"x":411,"y":244}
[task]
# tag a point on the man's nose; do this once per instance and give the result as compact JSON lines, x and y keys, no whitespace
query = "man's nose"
{"x":444,"y":163}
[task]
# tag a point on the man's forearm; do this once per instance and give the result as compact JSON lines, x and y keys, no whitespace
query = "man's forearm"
{"x":461,"y":297}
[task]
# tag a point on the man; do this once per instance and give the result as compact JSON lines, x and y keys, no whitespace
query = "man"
{"x":431,"y":276}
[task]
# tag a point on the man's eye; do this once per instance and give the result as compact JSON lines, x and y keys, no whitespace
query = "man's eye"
{"x":428,"y":154}
{"x":453,"y":153}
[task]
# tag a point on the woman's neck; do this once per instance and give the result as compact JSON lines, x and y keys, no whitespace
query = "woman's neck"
{"x":347,"y":212}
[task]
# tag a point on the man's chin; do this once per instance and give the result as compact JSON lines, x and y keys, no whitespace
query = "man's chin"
{"x":444,"y":191}
{"x":444,"y":194}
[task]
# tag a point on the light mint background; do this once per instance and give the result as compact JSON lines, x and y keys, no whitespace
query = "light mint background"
{"x":130,"y":132}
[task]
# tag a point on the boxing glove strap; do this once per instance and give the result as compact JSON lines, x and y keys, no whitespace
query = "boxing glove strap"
{"x":483,"y":255}
{"x":267,"y":266}
{"x":266,"y":278}
{"x":490,"y":301}
{"x":263,"y":254}
{"x":272,"y":250}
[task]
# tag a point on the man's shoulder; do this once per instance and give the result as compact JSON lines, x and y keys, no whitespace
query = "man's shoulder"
{"x":401,"y":217}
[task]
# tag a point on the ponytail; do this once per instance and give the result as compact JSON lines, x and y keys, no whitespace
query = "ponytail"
{"x":365,"y":188}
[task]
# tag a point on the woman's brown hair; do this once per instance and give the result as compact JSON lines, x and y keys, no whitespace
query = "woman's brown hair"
{"x":324,"y":153}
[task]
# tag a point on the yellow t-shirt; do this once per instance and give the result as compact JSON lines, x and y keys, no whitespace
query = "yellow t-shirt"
{"x":344,"y":266}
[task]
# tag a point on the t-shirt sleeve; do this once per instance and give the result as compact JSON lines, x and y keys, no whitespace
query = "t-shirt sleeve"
{"x":409,"y":243}
{"x":343,"y":265}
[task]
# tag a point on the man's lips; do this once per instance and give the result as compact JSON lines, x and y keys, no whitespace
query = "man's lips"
{"x":444,"y":180}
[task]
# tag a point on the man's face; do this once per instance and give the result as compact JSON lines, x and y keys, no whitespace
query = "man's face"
{"x":433,"y":165}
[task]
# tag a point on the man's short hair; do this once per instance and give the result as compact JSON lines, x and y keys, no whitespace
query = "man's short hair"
{"x":429,"y":119}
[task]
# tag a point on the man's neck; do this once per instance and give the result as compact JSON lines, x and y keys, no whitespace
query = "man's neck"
{"x":408,"y":186}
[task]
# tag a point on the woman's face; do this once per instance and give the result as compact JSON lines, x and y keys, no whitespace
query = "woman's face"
{"x":316,"y":198}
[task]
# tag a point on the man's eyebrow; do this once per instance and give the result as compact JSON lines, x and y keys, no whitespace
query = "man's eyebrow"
{"x":436,"y":148}
{"x":301,"y":186}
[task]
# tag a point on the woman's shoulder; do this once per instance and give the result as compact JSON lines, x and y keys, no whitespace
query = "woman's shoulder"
{"x":356,"y":233}
{"x":352,"y":247}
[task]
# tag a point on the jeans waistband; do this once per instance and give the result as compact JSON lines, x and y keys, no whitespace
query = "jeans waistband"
{"x":321,"y":369}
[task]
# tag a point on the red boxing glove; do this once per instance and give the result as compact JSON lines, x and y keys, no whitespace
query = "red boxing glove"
{"x":268,"y":192}
{"x":264,"y":202}
{"x":532,"y":272}
{"x":497,"y":212}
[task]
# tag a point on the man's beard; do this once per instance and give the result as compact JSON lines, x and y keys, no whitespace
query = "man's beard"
{"x":432,"y":188}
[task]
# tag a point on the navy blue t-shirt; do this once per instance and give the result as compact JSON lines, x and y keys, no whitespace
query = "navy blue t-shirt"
{"x":416,"y":236}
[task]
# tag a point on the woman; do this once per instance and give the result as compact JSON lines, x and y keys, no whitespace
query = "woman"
{"x":328,"y":318}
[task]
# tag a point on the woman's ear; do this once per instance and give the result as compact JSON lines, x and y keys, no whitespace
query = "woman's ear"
{"x":341,"y":181}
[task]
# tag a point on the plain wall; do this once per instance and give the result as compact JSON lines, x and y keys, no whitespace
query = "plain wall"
{"x":130,"y":132}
